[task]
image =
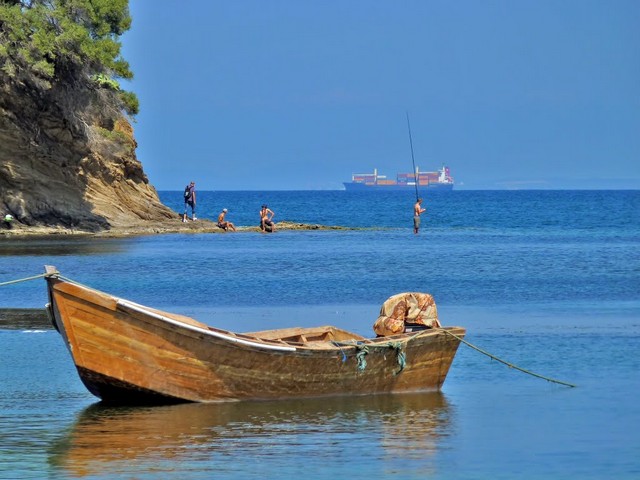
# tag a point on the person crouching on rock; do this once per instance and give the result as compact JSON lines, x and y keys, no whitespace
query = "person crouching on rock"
{"x":223,"y":224}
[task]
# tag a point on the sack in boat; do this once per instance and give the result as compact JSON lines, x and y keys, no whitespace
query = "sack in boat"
{"x":398,"y":310}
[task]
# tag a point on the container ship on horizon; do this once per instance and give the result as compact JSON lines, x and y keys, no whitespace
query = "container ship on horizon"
{"x":439,"y":180}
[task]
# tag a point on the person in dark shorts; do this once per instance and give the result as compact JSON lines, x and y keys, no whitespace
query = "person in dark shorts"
{"x":223,"y":224}
{"x":266,"y":219}
{"x":190,"y":201}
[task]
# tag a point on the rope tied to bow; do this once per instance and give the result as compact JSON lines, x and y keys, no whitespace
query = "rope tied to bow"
{"x":35,"y":277}
{"x":510,"y":365}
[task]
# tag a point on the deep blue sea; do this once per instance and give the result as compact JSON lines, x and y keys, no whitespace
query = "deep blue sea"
{"x":546,"y":280}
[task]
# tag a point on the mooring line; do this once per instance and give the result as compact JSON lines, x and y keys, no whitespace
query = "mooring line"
{"x":42,"y":275}
{"x":510,"y":365}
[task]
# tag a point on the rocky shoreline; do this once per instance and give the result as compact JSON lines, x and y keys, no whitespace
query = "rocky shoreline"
{"x":153,"y":228}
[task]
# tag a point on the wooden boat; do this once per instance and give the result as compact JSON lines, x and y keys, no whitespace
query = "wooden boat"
{"x":129,"y":353}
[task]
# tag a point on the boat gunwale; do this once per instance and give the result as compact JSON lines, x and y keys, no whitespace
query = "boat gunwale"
{"x":282,"y":345}
{"x":216,"y":333}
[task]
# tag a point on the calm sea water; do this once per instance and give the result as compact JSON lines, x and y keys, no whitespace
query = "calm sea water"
{"x":548,"y":280}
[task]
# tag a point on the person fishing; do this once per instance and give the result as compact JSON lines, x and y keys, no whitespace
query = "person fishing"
{"x":417,"y":207}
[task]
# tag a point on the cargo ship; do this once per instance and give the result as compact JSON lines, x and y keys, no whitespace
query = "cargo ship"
{"x":439,"y":180}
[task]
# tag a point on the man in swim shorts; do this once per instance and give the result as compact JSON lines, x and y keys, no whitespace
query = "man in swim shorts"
{"x":266,"y":219}
{"x":223,"y":224}
{"x":417,"y":211}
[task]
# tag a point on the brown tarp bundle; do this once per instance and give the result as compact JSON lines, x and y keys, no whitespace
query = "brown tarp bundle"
{"x":403,"y":308}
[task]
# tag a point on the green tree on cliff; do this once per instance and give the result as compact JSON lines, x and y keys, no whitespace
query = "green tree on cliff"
{"x":44,"y":43}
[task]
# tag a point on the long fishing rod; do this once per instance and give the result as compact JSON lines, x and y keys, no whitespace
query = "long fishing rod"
{"x":413,"y":160}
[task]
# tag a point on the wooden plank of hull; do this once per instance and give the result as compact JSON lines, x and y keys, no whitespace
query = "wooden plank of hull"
{"x":128,"y":356}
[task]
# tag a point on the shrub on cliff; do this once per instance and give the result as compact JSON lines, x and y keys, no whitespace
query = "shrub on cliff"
{"x":48,"y":42}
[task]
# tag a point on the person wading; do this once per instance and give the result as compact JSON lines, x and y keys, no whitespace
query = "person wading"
{"x":417,"y":211}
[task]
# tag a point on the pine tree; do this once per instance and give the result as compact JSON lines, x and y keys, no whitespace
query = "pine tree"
{"x":44,"y":43}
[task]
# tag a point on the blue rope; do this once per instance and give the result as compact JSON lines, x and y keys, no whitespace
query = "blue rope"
{"x":344,"y":355}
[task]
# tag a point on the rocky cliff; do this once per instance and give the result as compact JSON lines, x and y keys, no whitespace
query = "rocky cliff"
{"x":67,"y":160}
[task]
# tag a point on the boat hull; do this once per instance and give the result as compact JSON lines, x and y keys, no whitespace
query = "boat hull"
{"x":128,"y":353}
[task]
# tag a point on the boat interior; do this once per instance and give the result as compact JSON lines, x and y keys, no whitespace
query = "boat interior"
{"x":317,"y":337}
{"x":307,"y":335}
{"x":312,"y":337}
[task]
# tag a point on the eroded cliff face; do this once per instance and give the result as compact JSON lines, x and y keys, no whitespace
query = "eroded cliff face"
{"x":67,"y":159}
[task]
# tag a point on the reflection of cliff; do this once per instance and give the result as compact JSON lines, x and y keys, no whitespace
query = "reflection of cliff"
{"x":107,"y":440}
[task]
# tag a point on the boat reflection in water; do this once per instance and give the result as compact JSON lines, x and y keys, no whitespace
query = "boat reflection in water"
{"x":371,"y":433}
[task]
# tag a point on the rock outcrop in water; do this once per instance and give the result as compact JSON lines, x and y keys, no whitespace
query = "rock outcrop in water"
{"x":67,"y":160}
{"x":67,"y":150}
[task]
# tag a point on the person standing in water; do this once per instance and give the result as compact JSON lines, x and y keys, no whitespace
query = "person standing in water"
{"x":417,"y":211}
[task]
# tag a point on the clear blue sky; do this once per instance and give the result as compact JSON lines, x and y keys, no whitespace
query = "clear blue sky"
{"x":280,"y":95}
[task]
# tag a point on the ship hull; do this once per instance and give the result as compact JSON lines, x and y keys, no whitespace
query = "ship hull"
{"x":362,"y":187}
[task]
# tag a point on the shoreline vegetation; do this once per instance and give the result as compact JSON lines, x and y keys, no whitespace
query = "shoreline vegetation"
{"x":156,"y":228}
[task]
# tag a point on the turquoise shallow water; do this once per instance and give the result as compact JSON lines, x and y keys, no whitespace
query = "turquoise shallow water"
{"x":546,"y":280}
